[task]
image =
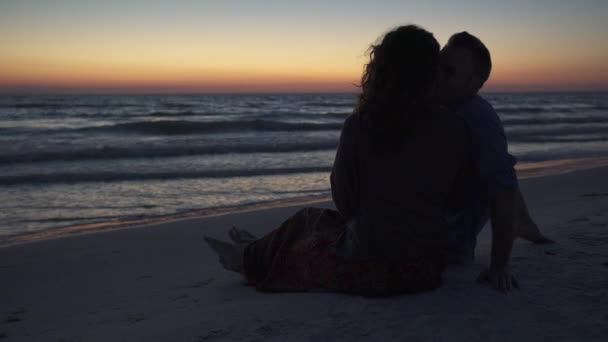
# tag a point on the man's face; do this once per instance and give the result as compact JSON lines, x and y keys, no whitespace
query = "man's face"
{"x":456,"y":75}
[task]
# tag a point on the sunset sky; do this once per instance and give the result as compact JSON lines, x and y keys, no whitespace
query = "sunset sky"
{"x":283,"y":46}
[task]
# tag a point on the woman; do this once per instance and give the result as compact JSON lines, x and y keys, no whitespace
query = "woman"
{"x":398,"y":159}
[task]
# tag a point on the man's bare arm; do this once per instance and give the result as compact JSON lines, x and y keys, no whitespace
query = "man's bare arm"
{"x":505,"y":220}
{"x":504,"y":213}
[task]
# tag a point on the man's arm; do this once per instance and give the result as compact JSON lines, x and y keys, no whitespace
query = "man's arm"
{"x":504,"y":216}
{"x":495,"y":165}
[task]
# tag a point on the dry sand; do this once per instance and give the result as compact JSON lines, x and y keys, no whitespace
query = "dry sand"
{"x":160,"y":282}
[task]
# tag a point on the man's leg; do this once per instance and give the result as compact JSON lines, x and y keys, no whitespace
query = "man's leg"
{"x":527,"y":229}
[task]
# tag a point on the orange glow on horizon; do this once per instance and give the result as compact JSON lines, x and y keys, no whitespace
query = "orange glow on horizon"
{"x":221,"y":47}
{"x":150,"y":79}
{"x":166,"y":78}
{"x":124,"y":73}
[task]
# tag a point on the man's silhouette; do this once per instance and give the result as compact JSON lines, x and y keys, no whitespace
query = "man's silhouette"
{"x":491,"y":188}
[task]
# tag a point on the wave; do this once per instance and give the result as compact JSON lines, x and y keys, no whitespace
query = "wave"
{"x":330,"y":104}
{"x":186,"y":127}
{"x":341,"y":116}
{"x":498,"y":108}
{"x":515,"y":121}
{"x":70,"y":219}
{"x":559,"y":139}
{"x":336,"y":115}
{"x":67,"y":105}
{"x":70,"y":178}
{"x":177,"y":105}
{"x":173,"y":127}
{"x":36,"y":105}
{"x":537,"y":156}
{"x":552,"y":109}
{"x":517,"y":132}
{"x":161,"y":152}
{"x":164,"y":114}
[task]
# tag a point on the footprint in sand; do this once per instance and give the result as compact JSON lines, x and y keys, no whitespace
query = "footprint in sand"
{"x":201,"y":283}
{"x":145,"y":276}
{"x":13,"y":319}
{"x":264,"y":330}
{"x":136,"y":317}
{"x":596,"y":194}
{"x":70,"y":339}
{"x":18,"y":311}
{"x":214,"y":334}
{"x":579,"y":219}
{"x":15,"y":316}
{"x":178,"y":297}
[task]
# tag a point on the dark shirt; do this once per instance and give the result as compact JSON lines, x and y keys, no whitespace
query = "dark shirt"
{"x":491,"y":159}
{"x":490,"y":171}
{"x":396,"y":203}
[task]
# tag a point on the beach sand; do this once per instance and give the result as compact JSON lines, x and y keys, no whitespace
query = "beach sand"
{"x":160,"y":282}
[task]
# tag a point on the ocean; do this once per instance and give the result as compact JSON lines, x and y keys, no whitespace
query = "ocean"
{"x":79,"y":159}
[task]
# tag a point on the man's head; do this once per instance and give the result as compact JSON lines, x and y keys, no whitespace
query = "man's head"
{"x":465,"y":67}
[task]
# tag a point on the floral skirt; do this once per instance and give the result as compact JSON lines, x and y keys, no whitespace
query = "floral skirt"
{"x":300,"y":255}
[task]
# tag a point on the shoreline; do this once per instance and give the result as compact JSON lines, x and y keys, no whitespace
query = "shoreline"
{"x":102,"y":226}
{"x":524,"y":170}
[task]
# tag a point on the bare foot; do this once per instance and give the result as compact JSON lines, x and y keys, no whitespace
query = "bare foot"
{"x":541,"y":240}
{"x":531,"y":233}
{"x":241,"y":235}
{"x":231,"y":255}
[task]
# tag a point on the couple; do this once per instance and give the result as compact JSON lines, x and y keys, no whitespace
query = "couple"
{"x":421,"y":166}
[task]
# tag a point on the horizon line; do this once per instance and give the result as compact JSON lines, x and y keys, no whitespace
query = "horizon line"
{"x":166,"y":93}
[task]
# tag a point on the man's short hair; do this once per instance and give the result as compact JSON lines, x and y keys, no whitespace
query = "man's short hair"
{"x":481,"y":54}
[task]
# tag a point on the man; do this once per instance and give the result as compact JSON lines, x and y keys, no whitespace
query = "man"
{"x":491,"y":187}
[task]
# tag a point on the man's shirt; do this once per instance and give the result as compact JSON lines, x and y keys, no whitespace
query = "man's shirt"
{"x":491,"y":170}
{"x":491,"y":160}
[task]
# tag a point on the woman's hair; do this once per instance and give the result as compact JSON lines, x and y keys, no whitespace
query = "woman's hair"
{"x":397,"y":83}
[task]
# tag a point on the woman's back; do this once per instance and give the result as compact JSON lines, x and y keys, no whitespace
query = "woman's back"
{"x":397,"y":200}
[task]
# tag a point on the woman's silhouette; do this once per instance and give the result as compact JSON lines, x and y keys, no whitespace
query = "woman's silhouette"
{"x":396,"y":165}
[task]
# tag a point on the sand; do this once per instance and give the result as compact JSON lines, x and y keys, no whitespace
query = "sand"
{"x":160,"y":282}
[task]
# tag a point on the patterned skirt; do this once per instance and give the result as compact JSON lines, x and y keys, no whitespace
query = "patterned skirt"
{"x":300,"y":255}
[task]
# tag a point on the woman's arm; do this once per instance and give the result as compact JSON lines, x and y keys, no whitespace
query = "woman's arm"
{"x":344,"y":174}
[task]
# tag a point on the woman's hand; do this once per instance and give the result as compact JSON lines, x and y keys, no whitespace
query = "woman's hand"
{"x":500,"y":279}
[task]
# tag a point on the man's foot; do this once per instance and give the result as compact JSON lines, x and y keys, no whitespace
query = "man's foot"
{"x":537,"y":239}
{"x":241,"y":235}
{"x":530,"y":232}
{"x":231,"y":255}
{"x":541,"y":240}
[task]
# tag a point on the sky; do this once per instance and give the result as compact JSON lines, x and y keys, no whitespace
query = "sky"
{"x":283,"y":46}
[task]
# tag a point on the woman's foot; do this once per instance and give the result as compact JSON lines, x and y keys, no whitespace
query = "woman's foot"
{"x":241,"y":235}
{"x":231,"y":255}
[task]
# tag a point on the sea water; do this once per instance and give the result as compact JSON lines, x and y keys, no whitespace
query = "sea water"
{"x":78,"y":159}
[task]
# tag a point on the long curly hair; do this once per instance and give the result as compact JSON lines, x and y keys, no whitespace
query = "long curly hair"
{"x":397,"y":84}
